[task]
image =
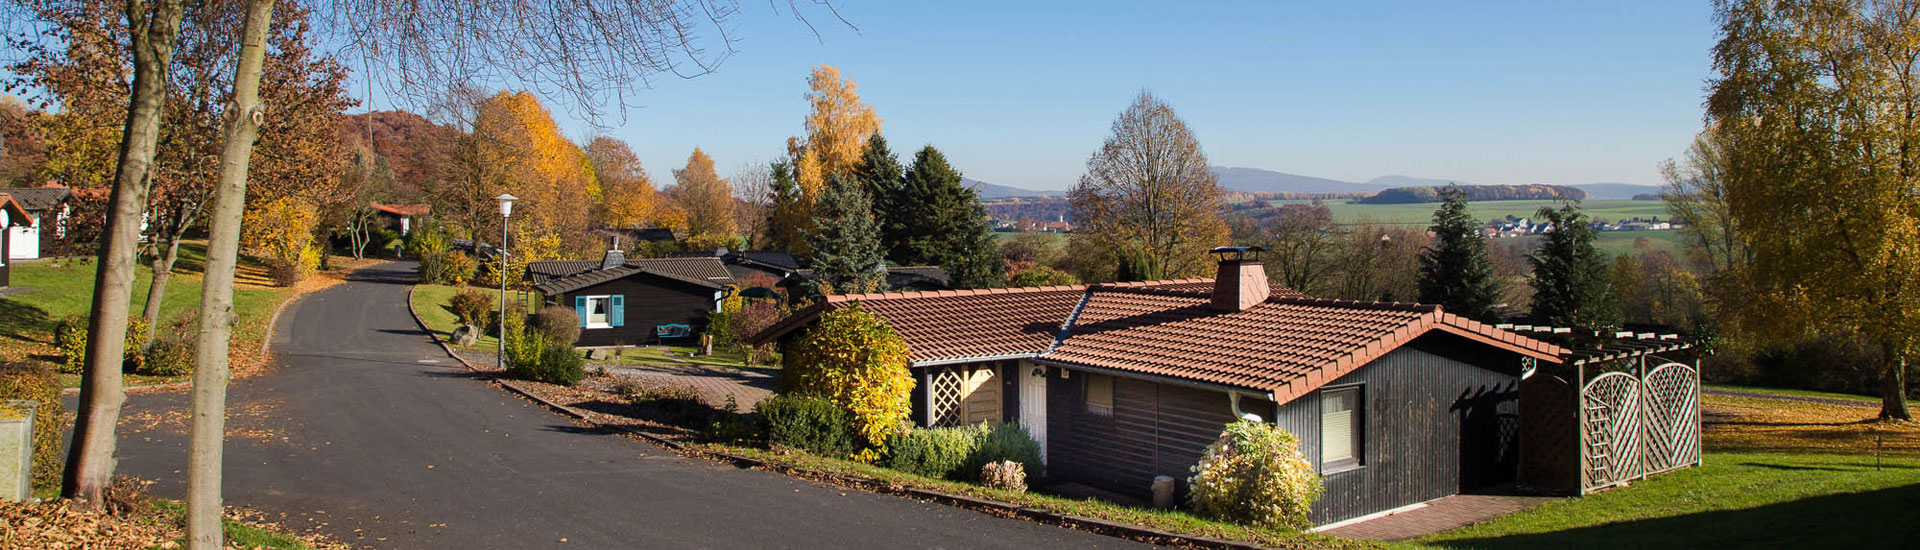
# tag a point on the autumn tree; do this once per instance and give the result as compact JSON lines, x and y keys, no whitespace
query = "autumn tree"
{"x":518,"y":149}
{"x":1570,"y":284}
{"x":1455,"y":272}
{"x":1816,"y":106}
{"x":1696,"y":197}
{"x":1149,"y":196}
{"x":708,"y":200}
{"x":1301,"y":242}
{"x":22,"y":149}
{"x":1378,"y":262}
{"x":753,"y":202}
{"x":628,"y":196}
{"x":939,"y":221}
{"x":837,"y":129}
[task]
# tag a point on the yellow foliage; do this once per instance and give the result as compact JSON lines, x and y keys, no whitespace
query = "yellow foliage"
{"x":523,"y":153}
{"x":854,"y":359}
{"x":707,"y":198}
{"x":837,"y":130}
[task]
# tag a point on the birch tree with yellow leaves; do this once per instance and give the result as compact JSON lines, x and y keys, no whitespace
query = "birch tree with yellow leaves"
{"x":837,"y":130}
{"x":1818,"y":104}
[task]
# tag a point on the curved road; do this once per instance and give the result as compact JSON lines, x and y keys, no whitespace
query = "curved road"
{"x":367,"y":431}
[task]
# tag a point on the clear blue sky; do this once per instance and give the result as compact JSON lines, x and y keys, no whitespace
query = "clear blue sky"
{"x":1020,"y":94}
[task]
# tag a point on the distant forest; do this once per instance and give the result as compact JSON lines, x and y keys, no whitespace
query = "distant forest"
{"x":1412,"y":195}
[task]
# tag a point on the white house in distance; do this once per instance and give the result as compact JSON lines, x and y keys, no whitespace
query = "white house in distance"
{"x":45,"y":208}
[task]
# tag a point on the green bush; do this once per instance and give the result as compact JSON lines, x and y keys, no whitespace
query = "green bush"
{"x":1255,"y":474}
{"x":811,"y":424}
{"x":854,"y":359}
{"x":533,"y":356}
{"x":473,"y":308}
{"x":37,"y":382}
{"x":171,"y":353}
{"x":935,"y":452}
{"x":1007,"y":441}
{"x":70,"y":337}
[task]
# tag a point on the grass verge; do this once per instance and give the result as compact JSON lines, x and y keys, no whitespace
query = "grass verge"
{"x":1792,"y":392}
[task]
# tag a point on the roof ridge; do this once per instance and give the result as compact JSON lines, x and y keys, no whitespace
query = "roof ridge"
{"x":1366,"y":304}
{"x":838,"y":298}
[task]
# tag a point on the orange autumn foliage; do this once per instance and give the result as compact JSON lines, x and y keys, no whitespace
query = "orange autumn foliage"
{"x":524,"y":154}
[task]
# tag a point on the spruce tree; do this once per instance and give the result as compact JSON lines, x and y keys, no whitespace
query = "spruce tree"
{"x":844,"y":249}
{"x":943,"y":224}
{"x":1455,"y":272}
{"x":1570,"y":284}
{"x":785,"y":195}
{"x":878,"y":172}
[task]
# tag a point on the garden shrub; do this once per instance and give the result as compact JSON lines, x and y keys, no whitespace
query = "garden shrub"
{"x":1005,"y":475}
{"x":750,"y":320}
{"x":432,"y":266}
{"x":171,"y":353}
{"x":854,"y":359}
{"x":811,"y":424}
{"x":456,"y":268}
{"x":472,"y":308}
{"x":1255,"y":474}
{"x":533,"y":356}
{"x":280,"y":231}
{"x":935,"y":452}
{"x":487,"y":273}
{"x":730,"y":425}
{"x":36,"y":382}
{"x":70,"y":337}
{"x":559,"y":324}
{"x":1007,"y":441}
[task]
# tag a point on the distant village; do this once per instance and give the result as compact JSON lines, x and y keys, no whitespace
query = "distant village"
{"x":1514,"y":226}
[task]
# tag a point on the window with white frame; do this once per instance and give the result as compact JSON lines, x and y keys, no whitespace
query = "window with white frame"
{"x":1341,"y":428}
{"x":599,"y":311}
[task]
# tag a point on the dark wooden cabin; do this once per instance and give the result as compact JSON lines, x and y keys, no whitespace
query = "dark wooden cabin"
{"x":627,"y":302}
{"x":1394,"y":404}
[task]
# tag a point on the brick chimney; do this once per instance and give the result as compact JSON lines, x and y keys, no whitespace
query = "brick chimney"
{"x":1241,"y":282}
{"x":614,"y":258}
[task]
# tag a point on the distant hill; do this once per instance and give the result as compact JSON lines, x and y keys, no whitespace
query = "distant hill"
{"x":1617,"y":191}
{"x":991,"y":191}
{"x":1431,"y":193}
{"x":1409,"y":181}
{"x":1255,"y":180}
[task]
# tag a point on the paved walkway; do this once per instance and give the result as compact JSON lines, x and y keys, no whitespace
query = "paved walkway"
{"x":714,"y":384}
{"x":1439,"y":515}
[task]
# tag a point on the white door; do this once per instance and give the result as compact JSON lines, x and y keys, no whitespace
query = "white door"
{"x":1033,"y":404}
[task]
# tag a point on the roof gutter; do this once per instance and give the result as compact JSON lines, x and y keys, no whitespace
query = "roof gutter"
{"x":977,"y":359}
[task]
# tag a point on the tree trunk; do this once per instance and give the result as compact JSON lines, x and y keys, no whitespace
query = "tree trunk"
{"x":238,"y":132}
{"x":90,"y":463}
{"x":1893,"y":397}
{"x":157,"y":290}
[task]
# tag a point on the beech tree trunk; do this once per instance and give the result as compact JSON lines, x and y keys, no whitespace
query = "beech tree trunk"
{"x":154,"y":28}
{"x":162,"y":271}
{"x":238,"y":132}
{"x":1893,"y":398}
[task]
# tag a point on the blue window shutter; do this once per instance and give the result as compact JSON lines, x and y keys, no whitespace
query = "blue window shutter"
{"x":580,"y":308}
{"x":617,"y":310}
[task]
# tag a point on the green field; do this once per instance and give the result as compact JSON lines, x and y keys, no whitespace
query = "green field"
{"x":1422,"y":213}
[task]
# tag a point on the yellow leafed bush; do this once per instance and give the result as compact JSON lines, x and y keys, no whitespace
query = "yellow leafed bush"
{"x":854,"y":359}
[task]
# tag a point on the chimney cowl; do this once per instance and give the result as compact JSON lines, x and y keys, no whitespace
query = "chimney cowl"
{"x":1241,"y":281}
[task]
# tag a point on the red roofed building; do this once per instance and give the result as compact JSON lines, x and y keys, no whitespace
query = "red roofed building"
{"x":1394,"y":403}
{"x":399,"y":217}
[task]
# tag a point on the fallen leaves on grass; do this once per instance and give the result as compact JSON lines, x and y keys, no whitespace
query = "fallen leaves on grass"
{"x":1751,"y":424}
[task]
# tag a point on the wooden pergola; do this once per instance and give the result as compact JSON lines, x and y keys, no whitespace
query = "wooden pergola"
{"x":1620,"y":407}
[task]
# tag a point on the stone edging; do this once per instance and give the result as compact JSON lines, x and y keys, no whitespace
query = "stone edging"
{"x":1005,"y":509}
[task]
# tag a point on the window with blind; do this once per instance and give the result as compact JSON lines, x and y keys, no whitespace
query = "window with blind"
{"x":1340,"y":429}
{"x":1099,"y":394}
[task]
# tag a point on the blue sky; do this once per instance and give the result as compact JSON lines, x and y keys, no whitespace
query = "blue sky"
{"x":1020,"y":94}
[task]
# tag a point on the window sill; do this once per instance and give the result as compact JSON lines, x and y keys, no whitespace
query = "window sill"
{"x":597,"y":325}
{"x":1341,"y":468}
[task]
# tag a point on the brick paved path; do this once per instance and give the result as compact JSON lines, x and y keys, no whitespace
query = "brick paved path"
{"x":1439,"y":515}
{"x":713,"y":383}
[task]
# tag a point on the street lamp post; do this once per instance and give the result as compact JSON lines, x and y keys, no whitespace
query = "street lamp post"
{"x":506,"y":211}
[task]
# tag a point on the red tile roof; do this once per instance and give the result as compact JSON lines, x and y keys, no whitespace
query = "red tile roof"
{"x":403,"y":209}
{"x":17,"y":214}
{"x":1287,"y":345}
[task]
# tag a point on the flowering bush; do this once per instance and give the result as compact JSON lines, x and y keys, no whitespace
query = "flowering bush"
{"x":855,"y":360}
{"x":1255,"y":474}
{"x":1005,"y":475}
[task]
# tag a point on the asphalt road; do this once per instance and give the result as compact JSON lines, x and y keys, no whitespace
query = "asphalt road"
{"x":367,"y":431}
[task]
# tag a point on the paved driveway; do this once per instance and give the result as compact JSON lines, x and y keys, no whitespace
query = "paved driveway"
{"x":367,"y":431}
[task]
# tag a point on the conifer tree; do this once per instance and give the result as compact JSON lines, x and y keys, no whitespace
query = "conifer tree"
{"x":878,"y":172}
{"x":784,"y":227}
{"x":1570,"y":283}
{"x":943,"y":224}
{"x":844,"y":248}
{"x":1455,"y":272}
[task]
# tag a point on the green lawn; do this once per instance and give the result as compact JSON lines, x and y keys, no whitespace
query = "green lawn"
{"x":430,"y":302}
{"x":1789,"y":391}
{"x":1735,"y":500}
{"x":60,"y":289}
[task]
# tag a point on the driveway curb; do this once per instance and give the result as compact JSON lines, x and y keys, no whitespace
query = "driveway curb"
{"x":993,"y":507}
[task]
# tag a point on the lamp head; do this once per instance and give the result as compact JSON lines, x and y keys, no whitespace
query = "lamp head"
{"x":506,"y":204}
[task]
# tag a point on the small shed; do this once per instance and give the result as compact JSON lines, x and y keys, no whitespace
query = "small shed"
{"x":636,"y":302}
{"x":11,"y":215}
{"x":46,"y":207}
